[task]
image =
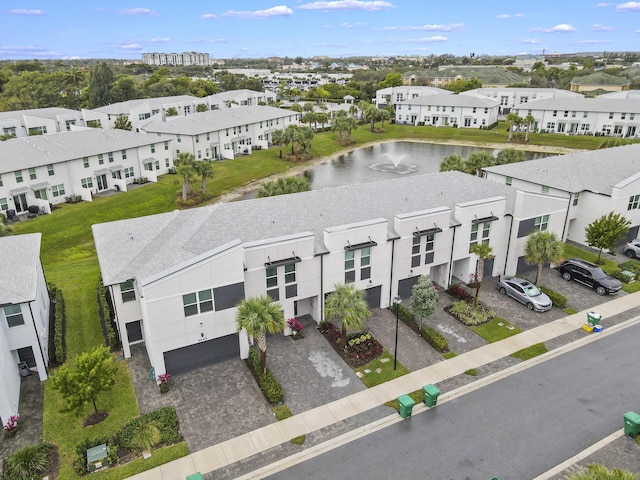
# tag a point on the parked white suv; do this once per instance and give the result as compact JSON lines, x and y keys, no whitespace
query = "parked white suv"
{"x":632,"y":248}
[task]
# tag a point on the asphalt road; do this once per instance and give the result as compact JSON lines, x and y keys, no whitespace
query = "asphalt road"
{"x":514,"y":429}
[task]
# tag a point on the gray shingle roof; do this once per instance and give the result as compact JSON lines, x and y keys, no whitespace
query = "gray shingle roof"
{"x":454,"y":100}
{"x":19,"y":258}
{"x":598,"y":104}
{"x":213,"y":120}
{"x":144,"y":247}
{"x":27,"y":152}
{"x":50,"y":113}
{"x":595,"y":171}
{"x":599,"y":78}
{"x":126,"y":107}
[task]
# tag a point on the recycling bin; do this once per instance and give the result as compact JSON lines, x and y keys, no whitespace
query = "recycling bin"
{"x":431,"y":393}
{"x":593,"y":318}
{"x":631,"y":424}
{"x":405,"y":405}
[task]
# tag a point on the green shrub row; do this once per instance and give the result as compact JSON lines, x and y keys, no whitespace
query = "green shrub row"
{"x":435,"y":339}
{"x":632,"y":266}
{"x":58,"y":322}
{"x":164,"y":418}
{"x":623,"y":277}
{"x":271,"y":388}
{"x":558,"y":300}
{"x":403,"y":313}
{"x":112,"y":337}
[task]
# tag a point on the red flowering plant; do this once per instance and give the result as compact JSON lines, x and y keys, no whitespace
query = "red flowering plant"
{"x":11,"y":426}
{"x":163,"y":382}
{"x":296,"y":327}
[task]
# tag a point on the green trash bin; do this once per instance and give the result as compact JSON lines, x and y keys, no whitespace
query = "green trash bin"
{"x":195,"y":476}
{"x":405,"y":405}
{"x":431,"y":393}
{"x":593,"y":318}
{"x":631,"y":424}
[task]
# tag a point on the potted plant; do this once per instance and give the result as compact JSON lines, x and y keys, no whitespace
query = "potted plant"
{"x":296,"y":328}
{"x":11,"y":426}
{"x":163,"y":382}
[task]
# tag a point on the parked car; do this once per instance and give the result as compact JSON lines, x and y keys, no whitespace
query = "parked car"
{"x":632,"y":248}
{"x":589,"y":274}
{"x":525,"y":292}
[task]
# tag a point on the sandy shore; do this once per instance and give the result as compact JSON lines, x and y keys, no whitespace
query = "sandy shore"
{"x":299,"y":169}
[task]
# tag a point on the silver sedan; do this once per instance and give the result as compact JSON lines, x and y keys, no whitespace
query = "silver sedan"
{"x":525,"y":292}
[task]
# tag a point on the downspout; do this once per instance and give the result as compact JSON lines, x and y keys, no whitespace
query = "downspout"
{"x":506,"y":258}
{"x":393,"y":249}
{"x":566,"y":217}
{"x":453,"y":243}
{"x":321,"y":288}
{"x":45,"y":361}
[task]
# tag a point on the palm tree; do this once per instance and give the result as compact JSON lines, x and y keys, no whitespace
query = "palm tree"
{"x":453,"y":162}
{"x":542,"y":247}
{"x":353,"y":110}
{"x":528,"y":120}
{"x":600,"y":472}
{"x":483,"y":252}
{"x":185,"y":169}
{"x":514,"y":119}
{"x":371,"y":115}
{"x":205,"y":170}
{"x":384,"y":115}
{"x":323,"y":118}
{"x":479,"y":160}
{"x":277,"y":138}
{"x":349,"y":124}
{"x":259,"y":316}
{"x":284,"y":185}
{"x":146,"y":435}
{"x":347,"y":303}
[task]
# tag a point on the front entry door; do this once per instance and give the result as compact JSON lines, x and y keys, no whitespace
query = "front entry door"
{"x":101,"y":180}
{"x":20,"y":202}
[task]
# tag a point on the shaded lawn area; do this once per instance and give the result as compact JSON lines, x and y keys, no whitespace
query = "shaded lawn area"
{"x":65,"y":429}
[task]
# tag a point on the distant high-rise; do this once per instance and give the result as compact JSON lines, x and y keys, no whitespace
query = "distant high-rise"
{"x":185,"y":58}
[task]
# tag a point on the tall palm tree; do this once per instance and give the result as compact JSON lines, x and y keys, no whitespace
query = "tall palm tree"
{"x":259,"y":316}
{"x":323,"y":118}
{"x":600,"y":472}
{"x":371,"y":115}
{"x":384,"y":115}
{"x":514,"y":119}
{"x":185,"y":169}
{"x":204,"y":168}
{"x":277,"y":138}
{"x":348,"y":304}
{"x":528,"y":121}
{"x":542,"y":247}
{"x":484,"y":252}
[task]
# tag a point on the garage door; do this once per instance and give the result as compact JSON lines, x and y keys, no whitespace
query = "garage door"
{"x":373,"y":296}
{"x":526,"y":270}
{"x":406,"y":286}
{"x":189,"y":358}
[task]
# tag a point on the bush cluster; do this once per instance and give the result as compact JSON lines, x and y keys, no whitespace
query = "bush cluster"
{"x":458,"y":291}
{"x":471,"y":314}
{"x":435,"y":339}
{"x":558,"y":300}
{"x":164,"y":418}
{"x":271,"y":388}
{"x":404,"y":314}
{"x":105,"y":308}
{"x":80,"y":461}
{"x":57,"y":305}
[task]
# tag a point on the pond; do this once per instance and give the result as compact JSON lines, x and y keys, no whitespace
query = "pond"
{"x":386,"y":160}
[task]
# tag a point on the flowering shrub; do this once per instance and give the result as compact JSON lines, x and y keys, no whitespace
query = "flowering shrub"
{"x":163,"y":381}
{"x":295,"y":326}
{"x":12,"y":425}
{"x":458,"y":291}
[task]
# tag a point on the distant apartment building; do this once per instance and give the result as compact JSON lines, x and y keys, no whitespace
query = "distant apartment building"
{"x":185,"y":58}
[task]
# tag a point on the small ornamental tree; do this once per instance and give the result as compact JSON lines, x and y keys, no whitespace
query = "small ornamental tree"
{"x":93,"y":372}
{"x":606,"y":231}
{"x":424,"y":298}
{"x":122,"y":123}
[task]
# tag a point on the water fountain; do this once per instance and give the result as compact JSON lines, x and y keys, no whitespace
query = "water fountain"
{"x":394,"y":165}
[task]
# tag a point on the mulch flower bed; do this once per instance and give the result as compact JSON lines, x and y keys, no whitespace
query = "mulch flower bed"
{"x":355,"y":355}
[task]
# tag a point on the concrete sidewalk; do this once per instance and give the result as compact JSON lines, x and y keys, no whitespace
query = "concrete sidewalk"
{"x":273,"y":435}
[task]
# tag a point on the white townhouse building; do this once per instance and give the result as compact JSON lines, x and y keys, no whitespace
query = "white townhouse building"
{"x":39,"y":121}
{"x":606,"y":116}
{"x":24,"y":308}
{"x":37,"y":171}
{"x":394,"y":95}
{"x":176,"y":278}
{"x":225,"y":133}
{"x":439,"y":110}
{"x":594,"y":183}
{"x":239,"y":98}
{"x":513,"y":97}
{"x":185,"y":58}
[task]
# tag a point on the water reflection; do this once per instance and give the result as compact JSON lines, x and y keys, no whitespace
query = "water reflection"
{"x":387,"y":160}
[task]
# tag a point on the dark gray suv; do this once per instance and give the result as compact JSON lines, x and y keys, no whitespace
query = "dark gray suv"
{"x":589,"y":274}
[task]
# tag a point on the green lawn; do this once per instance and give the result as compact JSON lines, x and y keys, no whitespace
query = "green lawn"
{"x":386,"y":373}
{"x":69,"y":258}
{"x":496,"y":330}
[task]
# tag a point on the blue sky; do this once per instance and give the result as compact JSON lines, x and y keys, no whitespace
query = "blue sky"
{"x":337,"y":28}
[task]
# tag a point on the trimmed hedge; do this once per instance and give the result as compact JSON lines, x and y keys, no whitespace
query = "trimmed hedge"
{"x":271,"y":388}
{"x":58,"y":307}
{"x":558,"y":300}
{"x":435,"y":339}
{"x":164,"y":418}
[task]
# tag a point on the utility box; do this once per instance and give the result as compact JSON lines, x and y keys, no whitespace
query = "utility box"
{"x":631,"y":424}
{"x":431,"y":393}
{"x":97,"y":458}
{"x":405,"y":405}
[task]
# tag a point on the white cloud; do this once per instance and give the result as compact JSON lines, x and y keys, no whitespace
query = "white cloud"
{"x":596,"y":27}
{"x":436,"y":38}
{"x":131,"y":46}
{"x":29,"y":49}
{"x":351,"y":25}
{"x":591,"y":42}
{"x":348,"y":5}
{"x":209,"y":16}
{"x":24,"y":11}
{"x":508,"y":15}
{"x":279,"y":11}
{"x":209,"y":40}
{"x":628,"y":7}
{"x":601,"y":5}
{"x":530,"y":41}
{"x":427,"y":28}
{"x":160,"y":40}
{"x":560,"y":28}
{"x":139,"y":12}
